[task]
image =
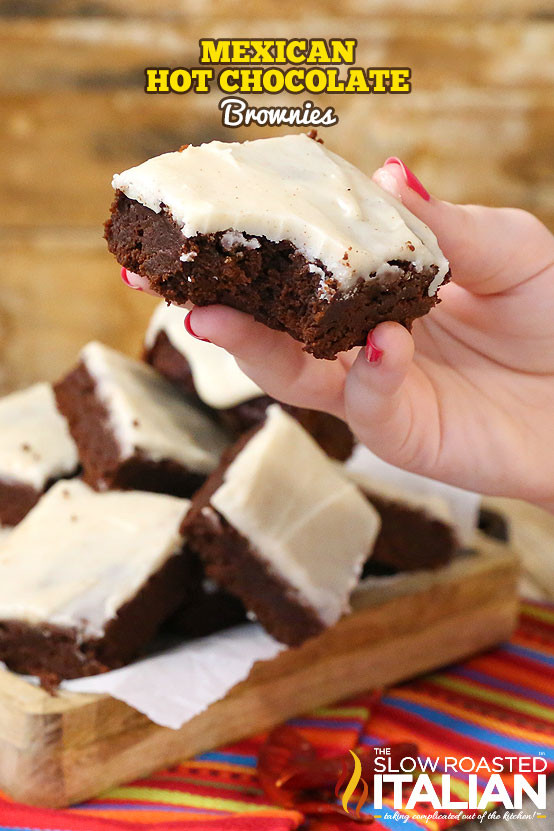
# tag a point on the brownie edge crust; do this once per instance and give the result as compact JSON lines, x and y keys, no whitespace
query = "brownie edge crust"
{"x":234,"y":564}
{"x":272,"y":282}
{"x":103,"y":465}
{"x":56,"y":652}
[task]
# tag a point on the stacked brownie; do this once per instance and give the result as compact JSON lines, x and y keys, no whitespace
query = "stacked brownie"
{"x":87,"y":578}
{"x":36,"y":449}
{"x":212,"y":377}
{"x":279,"y":526}
{"x":416,"y":533}
{"x":282,"y":229}
{"x":276,"y":530}
{"x":133,"y":429}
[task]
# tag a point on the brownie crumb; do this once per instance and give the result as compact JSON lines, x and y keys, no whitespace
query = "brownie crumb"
{"x":312,"y":134}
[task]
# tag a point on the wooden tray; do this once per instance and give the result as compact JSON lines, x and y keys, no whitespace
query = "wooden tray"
{"x":58,"y":750}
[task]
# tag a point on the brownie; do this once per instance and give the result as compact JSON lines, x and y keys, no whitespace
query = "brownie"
{"x":269,"y":525}
{"x":494,"y":524}
{"x":416,"y":533}
{"x":410,"y":538}
{"x":279,"y":228}
{"x":36,"y":449}
{"x":210,"y":610}
{"x":132,"y":428}
{"x":87,"y":578}
{"x":331,"y":433}
{"x":211,"y":377}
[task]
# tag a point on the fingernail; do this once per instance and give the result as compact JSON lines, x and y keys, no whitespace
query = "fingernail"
{"x":411,"y":179}
{"x":188,"y":327}
{"x":372,"y":352}
{"x":125,"y":278}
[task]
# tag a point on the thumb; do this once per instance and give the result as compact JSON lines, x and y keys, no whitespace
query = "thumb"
{"x":389,"y":402}
{"x":490,"y":249}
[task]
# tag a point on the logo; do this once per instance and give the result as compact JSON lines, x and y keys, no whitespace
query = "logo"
{"x":353,"y":783}
{"x":405,"y":781}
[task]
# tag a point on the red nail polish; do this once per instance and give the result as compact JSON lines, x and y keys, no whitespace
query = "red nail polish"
{"x":189,"y":329}
{"x":127,"y":281}
{"x":411,"y":179}
{"x":372,"y":352}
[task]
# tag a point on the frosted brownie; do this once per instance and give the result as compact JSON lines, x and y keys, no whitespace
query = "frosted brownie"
{"x":132,"y":428}
{"x":87,"y":578}
{"x":416,"y":532}
{"x":213,"y":378}
{"x":281,"y":528}
{"x":281,"y":228}
{"x":36,"y":449}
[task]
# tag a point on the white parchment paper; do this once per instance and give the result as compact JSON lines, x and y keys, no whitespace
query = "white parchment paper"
{"x":177,"y":684}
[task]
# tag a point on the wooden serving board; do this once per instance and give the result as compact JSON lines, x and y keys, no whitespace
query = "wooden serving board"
{"x":58,"y":750}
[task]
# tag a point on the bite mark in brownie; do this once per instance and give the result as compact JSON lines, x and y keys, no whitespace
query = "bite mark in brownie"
{"x":281,"y":228}
{"x":273,"y":283}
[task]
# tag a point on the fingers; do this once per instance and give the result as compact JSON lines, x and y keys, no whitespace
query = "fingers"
{"x":490,"y":249}
{"x":274,"y":360}
{"x":390,"y":404}
{"x":137,"y":282}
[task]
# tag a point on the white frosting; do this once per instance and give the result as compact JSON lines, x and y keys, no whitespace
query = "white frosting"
{"x":218,"y":380}
{"x":236,"y":239}
{"x":35,"y":444}
{"x":148,"y":414}
{"x":463,"y":506}
{"x":289,"y":187}
{"x":308,"y":522}
{"x":432,"y":504}
{"x":79,"y":555}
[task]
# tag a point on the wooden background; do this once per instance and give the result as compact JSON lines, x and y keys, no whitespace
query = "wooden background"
{"x":478,"y":127}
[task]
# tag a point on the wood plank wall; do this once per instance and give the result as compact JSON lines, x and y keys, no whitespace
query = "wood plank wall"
{"x":478,"y":126}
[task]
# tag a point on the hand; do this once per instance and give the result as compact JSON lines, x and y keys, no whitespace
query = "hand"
{"x":468,"y":397}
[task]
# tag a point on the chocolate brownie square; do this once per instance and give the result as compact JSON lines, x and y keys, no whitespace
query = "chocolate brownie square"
{"x":212,"y":376}
{"x":416,"y":533}
{"x":210,"y":610}
{"x":87,"y":578}
{"x":133,"y":429}
{"x":36,"y":449}
{"x":280,"y":527}
{"x":280,"y":228}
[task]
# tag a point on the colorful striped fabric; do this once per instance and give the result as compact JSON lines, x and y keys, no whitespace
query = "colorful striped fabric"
{"x":499,"y":703}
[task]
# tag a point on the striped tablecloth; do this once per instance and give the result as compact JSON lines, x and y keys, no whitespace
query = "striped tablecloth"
{"x":498,"y":703}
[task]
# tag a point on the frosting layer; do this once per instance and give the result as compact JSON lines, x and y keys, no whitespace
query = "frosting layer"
{"x":218,"y":380}
{"x":148,"y":415}
{"x":79,"y":555}
{"x":308,"y":522}
{"x":292,"y":188}
{"x":35,"y":444}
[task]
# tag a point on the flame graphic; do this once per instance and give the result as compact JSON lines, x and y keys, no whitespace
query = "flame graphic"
{"x":355,"y":779}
